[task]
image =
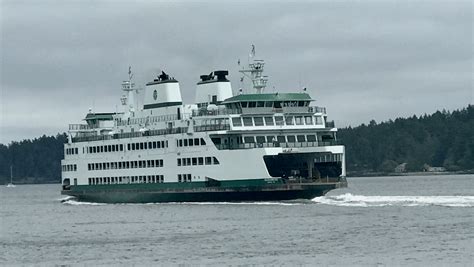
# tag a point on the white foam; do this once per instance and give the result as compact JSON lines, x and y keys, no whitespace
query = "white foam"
{"x":409,"y":201}
{"x":78,"y":203}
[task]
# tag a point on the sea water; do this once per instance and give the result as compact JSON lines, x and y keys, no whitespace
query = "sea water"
{"x":412,"y":220}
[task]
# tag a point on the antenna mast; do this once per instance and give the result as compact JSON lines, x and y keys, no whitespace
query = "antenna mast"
{"x":255,"y":71}
{"x":128,"y":97}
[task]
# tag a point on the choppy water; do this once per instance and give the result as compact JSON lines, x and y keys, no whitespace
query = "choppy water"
{"x":376,"y":221}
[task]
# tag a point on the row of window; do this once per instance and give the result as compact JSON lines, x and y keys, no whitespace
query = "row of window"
{"x":130,"y":147}
{"x":190,"y":142}
{"x":153,"y":163}
{"x":280,"y":139}
{"x":72,"y":151}
{"x":183,"y":178}
{"x":105,"y":148}
{"x":69,"y":168}
{"x":127,"y":179}
{"x":147,"y":145}
{"x":268,"y":104}
{"x":198,"y":161}
{"x":277,"y":120}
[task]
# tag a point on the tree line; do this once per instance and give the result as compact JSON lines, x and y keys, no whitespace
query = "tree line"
{"x":444,"y":139}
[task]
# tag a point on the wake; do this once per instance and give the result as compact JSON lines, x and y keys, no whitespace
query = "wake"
{"x":350,"y":200}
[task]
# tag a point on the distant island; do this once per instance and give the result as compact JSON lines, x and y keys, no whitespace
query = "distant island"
{"x":436,"y":143}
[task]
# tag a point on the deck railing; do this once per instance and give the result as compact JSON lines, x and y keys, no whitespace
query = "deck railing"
{"x":78,"y":127}
{"x":89,"y":138}
{"x":276,"y":144}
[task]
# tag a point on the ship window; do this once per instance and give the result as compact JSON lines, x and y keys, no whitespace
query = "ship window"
{"x":311,"y":138}
{"x":114,"y":148}
{"x":268,"y":104}
{"x":236,"y":121}
{"x":299,"y":120}
{"x":106,"y":148}
{"x":161,"y":163}
{"x":269,"y":121}
{"x":196,"y":141}
{"x":278,"y":120}
{"x":184,"y":162}
{"x":215,"y":161}
{"x":101,"y":149}
{"x":300,"y":103}
{"x":120,"y":165}
{"x":281,"y":139}
{"x":133,"y":146}
{"x":191,"y":142}
{"x":260,"y":104}
{"x":154,"y":144}
{"x":189,"y":177}
{"x":179,"y":162}
{"x":248,"y":121}
{"x":121,"y":147}
{"x":249,"y":139}
{"x":319,"y":120}
{"x":270,"y":139}
{"x":252,"y":104}
{"x":208,"y":160}
{"x":308,"y":120}
{"x":158,"y":144}
{"x":244,"y":104}
{"x":179,"y":178}
{"x":203,"y":143}
{"x":188,"y":161}
{"x":185,"y":142}
{"x":76,"y":150}
{"x":200,"y":161}
{"x":128,"y":147}
{"x":291,"y":138}
{"x":94,"y":149}
{"x":260,"y":139}
{"x":300,"y":138}
{"x":145,"y":146}
{"x":152,"y":163}
{"x":289,"y":120}
{"x":194,"y":161}
{"x":277,"y":104}
{"x":258,"y":121}
{"x":141,"y":145}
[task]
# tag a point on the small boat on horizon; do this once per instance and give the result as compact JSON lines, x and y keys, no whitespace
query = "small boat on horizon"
{"x":10,"y":184}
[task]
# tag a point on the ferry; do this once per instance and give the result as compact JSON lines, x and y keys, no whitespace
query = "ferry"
{"x":226,"y":146}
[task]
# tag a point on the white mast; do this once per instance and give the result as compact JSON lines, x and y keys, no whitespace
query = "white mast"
{"x":255,"y":71}
{"x":128,"y":99}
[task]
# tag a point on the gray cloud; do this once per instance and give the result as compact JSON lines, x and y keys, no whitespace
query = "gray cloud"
{"x":364,"y":60}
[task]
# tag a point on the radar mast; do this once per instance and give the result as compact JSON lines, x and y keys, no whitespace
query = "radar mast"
{"x":255,"y":72}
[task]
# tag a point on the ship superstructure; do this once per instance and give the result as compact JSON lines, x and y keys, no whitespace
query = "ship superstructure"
{"x":224,"y":147}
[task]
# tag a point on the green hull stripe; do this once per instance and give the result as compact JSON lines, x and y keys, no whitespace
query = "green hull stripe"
{"x":161,"y":105}
{"x":176,"y":185}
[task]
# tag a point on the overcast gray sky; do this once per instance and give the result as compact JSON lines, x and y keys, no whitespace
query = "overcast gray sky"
{"x":362,"y":60}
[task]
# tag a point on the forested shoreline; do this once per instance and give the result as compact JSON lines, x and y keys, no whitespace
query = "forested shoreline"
{"x":442,"y":139}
